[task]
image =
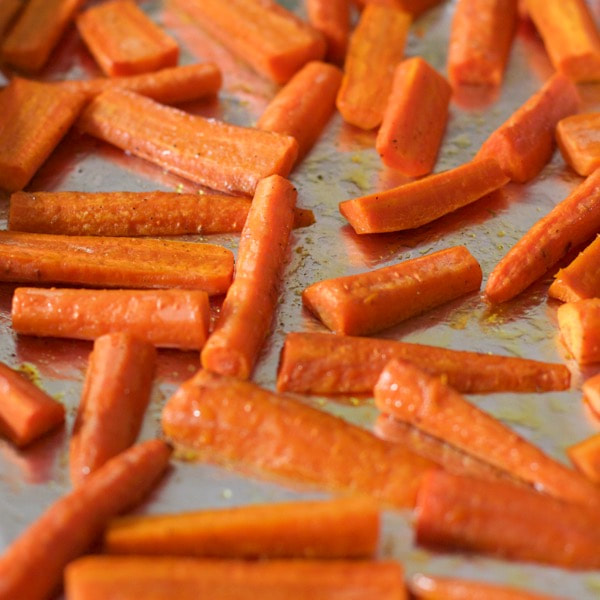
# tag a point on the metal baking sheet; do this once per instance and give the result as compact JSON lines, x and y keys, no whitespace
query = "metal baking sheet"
{"x":342,"y":165}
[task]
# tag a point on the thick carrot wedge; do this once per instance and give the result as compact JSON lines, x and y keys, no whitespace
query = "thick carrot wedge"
{"x":376,"y":47}
{"x":569,"y":224}
{"x":321,"y":363}
{"x":585,"y":455}
{"x":332,"y":19}
{"x":579,"y":324}
{"x":72,"y":524}
{"x":577,"y":139}
{"x":221,"y":156}
{"x":114,"y":262}
{"x":524,"y":143}
{"x":229,"y":421}
{"x":413,"y":7}
{"x":591,"y":393}
{"x":420,"y":202}
{"x":247,"y":313}
{"x":8,"y":11}
{"x":371,"y":301}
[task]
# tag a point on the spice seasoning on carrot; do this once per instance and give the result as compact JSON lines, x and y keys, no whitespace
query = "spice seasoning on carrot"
{"x":332,"y":19}
{"x":585,"y":455}
{"x":579,"y":324}
{"x":577,"y":139}
{"x":591,"y":393}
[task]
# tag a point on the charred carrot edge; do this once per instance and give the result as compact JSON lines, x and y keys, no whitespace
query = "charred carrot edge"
{"x":249,"y":306}
{"x":585,"y":456}
{"x":74,"y":522}
{"x":8,"y":12}
{"x":579,"y":324}
{"x":332,"y":19}
{"x":591,"y":393}
{"x":413,"y":7}
{"x":415,"y":118}
{"x":376,"y":47}
{"x":303,"y":106}
{"x":372,"y":301}
{"x":524,"y":143}
{"x":579,"y":149}
{"x":114,"y":262}
{"x":322,"y":363}
{"x":230,"y":421}
{"x":569,"y":224}
{"x":221,"y":156}
{"x":420,"y":202}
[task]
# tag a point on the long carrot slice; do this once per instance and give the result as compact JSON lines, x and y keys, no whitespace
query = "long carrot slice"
{"x":72,"y":524}
{"x":579,"y":324}
{"x":332,"y":19}
{"x":585,"y":455}
{"x":577,"y":139}
{"x":8,"y":11}
{"x":222,"y":156}
{"x":246,"y":315}
{"x":420,"y":202}
{"x":413,"y":7}
{"x":591,"y":393}
{"x":368,"y":302}
{"x":569,"y":224}
{"x":229,"y":421}
{"x":321,"y":363}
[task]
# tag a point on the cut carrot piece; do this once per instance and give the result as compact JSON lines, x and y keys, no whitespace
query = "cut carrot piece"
{"x":114,"y":262}
{"x":343,"y":528}
{"x":579,"y":324}
{"x":371,"y":301}
{"x":34,"y":117}
{"x":321,"y":363}
{"x":229,"y":421}
{"x":376,"y":47}
{"x":414,"y":7}
{"x":524,"y":143}
{"x":8,"y":11}
{"x":591,"y":393}
{"x":164,"y":318}
{"x":577,"y":138}
{"x":569,"y":224}
{"x":72,"y":524}
{"x":248,"y":309}
{"x":332,"y":19}
{"x":303,"y":106}
{"x":420,"y":202}
{"x":585,"y":455}
{"x":221,"y":156}
{"x":415,"y":118}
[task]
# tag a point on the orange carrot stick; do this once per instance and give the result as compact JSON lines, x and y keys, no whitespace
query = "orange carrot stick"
{"x":332,"y":19}
{"x":579,"y":324}
{"x":321,"y":363}
{"x":591,"y":393}
{"x":72,"y":524}
{"x":8,"y":12}
{"x":26,"y":412}
{"x":578,"y":143}
{"x":246,"y":315}
{"x":415,"y":118}
{"x":376,"y":47}
{"x":585,"y":456}
{"x":368,"y":302}
{"x":569,"y":224}
{"x":222,"y":156}
{"x":164,"y":318}
{"x":413,"y":7}
{"x":524,"y":143}
{"x":303,"y":106}
{"x":229,"y":421}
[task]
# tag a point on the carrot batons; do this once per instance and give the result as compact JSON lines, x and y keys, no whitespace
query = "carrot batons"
{"x":577,"y":138}
{"x":368,"y":302}
{"x":332,"y":19}
{"x":591,"y":393}
{"x":585,"y":455}
{"x":221,"y":156}
{"x":579,"y":324}
{"x":376,"y":47}
{"x":420,"y":202}
{"x":524,"y":143}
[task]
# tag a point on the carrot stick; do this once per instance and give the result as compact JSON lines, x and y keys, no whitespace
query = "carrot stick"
{"x":332,"y":19}
{"x":524,"y":143}
{"x":585,"y":456}
{"x":73,"y":523}
{"x":302,"y":108}
{"x":577,"y":142}
{"x":250,"y":303}
{"x":221,"y":156}
{"x":420,"y":202}
{"x":114,"y":262}
{"x":591,"y":393}
{"x":579,"y":324}
{"x":164,"y":318}
{"x":569,"y":224}
{"x":376,"y":47}
{"x":8,"y":12}
{"x":368,"y":302}
{"x":413,"y":7}
{"x":230,"y":421}
{"x":321,"y":363}
{"x":415,"y":118}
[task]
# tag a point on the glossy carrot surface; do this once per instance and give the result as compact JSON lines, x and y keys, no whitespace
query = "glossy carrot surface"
{"x":577,"y":138}
{"x":579,"y":324}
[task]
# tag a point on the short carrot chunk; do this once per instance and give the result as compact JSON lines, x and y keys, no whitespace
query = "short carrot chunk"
{"x":591,"y":393}
{"x":579,"y":324}
{"x":585,"y":455}
{"x":578,"y":138}
{"x":332,"y":19}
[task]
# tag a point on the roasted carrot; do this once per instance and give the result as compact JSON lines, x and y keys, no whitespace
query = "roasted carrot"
{"x":8,"y":11}
{"x":569,"y":224}
{"x":414,"y":7}
{"x":524,"y":143}
{"x":249,"y":306}
{"x":229,"y":421}
{"x":577,"y":139}
{"x":332,"y":19}
{"x":585,"y":456}
{"x":114,"y":262}
{"x":376,"y":47}
{"x":303,"y":106}
{"x":420,"y":202}
{"x":321,"y":363}
{"x":221,"y":156}
{"x":368,"y":302}
{"x":73,"y":523}
{"x":579,"y":324}
{"x":591,"y":393}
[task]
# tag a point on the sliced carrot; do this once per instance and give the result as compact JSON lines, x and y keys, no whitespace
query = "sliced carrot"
{"x":577,"y":138}
{"x":579,"y":324}
{"x":414,"y":7}
{"x":368,"y":302}
{"x":249,"y":306}
{"x":591,"y":393}
{"x":321,"y":363}
{"x":585,"y":456}
{"x":332,"y":19}
{"x":73,"y":523}
{"x":524,"y":143}
{"x":221,"y":156}
{"x":420,"y":202}
{"x":8,"y":12}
